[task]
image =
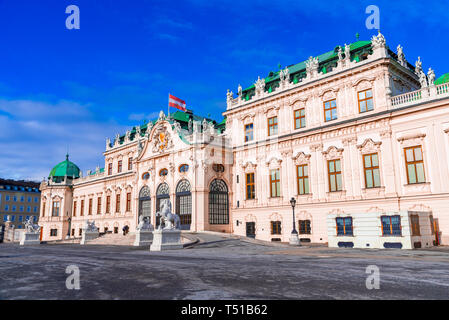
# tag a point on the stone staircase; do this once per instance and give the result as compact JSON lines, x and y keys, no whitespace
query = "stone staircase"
{"x":114,"y":239}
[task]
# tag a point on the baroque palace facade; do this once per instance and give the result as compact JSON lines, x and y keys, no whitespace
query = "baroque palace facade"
{"x":358,"y":136}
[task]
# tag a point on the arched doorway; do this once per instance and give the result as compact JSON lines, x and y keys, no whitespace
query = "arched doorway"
{"x":145,"y":202}
{"x":218,"y":202}
{"x":162,"y":192}
{"x":184,"y":204}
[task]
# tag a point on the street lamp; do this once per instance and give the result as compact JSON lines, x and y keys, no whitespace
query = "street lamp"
{"x":294,"y":240}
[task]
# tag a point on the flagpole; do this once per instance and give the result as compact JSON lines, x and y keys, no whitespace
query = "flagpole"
{"x":168,"y":106}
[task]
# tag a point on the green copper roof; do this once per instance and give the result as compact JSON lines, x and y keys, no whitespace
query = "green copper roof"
{"x":322,"y":59}
{"x":65,"y":168}
{"x":443,"y":79}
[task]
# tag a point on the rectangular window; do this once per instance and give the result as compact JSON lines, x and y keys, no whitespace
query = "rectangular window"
{"x":330,"y":110}
{"x":128,"y":202}
{"x":90,"y":206}
{"x":74,"y":208}
{"x":344,"y":226}
{"x":109,"y":169}
{"x":335,"y":182}
{"x":302,"y":177}
{"x":250,"y":186}
{"x":391,"y":225}
{"x":414,"y":219}
{"x":304,"y":227}
{"x":55,"y":211}
{"x":6,"y":208}
{"x":53,"y":232}
{"x":119,"y":166}
{"x":275,"y":183}
{"x":117,"y":203}
{"x":108,"y":204}
{"x":372,"y":174}
{"x":414,"y":164}
{"x":130,"y":163}
{"x":99,"y":205}
{"x":249,"y":132}
{"x":365,"y":100}
{"x":276,"y":227}
{"x":43,"y":209}
{"x":273,"y":126}
{"x":82,"y":208}
{"x":300,"y":118}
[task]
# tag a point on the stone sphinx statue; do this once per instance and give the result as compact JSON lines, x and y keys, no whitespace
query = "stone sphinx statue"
{"x":144,"y":224}
{"x":90,"y":226}
{"x":170,"y":219}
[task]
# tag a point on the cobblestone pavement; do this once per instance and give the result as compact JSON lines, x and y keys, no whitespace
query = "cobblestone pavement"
{"x":221,"y":268}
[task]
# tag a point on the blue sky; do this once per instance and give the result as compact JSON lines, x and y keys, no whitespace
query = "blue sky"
{"x":66,"y":89}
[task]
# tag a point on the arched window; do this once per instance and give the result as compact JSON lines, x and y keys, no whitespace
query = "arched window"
{"x":218,"y":202}
{"x":145,"y":202}
{"x":184,"y":168}
{"x":163,"y":172}
{"x":184,"y":204}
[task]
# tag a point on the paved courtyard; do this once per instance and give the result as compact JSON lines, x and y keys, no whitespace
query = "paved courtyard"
{"x":221,"y":268}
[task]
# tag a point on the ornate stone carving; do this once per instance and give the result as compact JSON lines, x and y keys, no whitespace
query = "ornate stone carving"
{"x":161,"y":140}
{"x":431,"y":77}
{"x":284,"y":76}
{"x":240,"y":91}
{"x":301,"y":158}
{"x":108,"y":143}
{"x":369,"y":146}
{"x":274,"y":162}
{"x":333,"y":153}
{"x":260,"y":86}
{"x":378,"y":41}
{"x":401,"y":56}
{"x":229,"y":96}
{"x":423,"y":79}
{"x":418,"y":66}
{"x":312,"y":67}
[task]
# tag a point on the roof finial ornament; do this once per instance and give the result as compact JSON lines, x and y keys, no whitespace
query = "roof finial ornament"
{"x":67,"y":156}
{"x":357,"y":36}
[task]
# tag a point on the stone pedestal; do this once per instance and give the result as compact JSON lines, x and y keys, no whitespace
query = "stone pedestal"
{"x":166,"y":240}
{"x":89,"y":235}
{"x":30,"y":238}
{"x":294,"y":240}
{"x":143,"y":238}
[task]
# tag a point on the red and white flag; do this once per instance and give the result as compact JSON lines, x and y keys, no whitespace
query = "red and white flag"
{"x":176,"y":103}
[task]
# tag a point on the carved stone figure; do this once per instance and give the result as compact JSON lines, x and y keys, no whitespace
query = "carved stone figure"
{"x":401,"y":56}
{"x":177,"y":127}
{"x":431,"y":76}
{"x":240,"y":91}
{"x":138,"y":132}
{"x":312,"y":67}
{"x":260,"y":86}
{"x":30,"y":227}
{"x":190,"y":125}
{"x":378,"y":41}
{"x":117,"y":139}
{"x":229,"y":96}
{"x":347,"y":52}
{"x":90,"y":226}
{"x":284,"y":76}
{"x":423,"y":79}
{"x":169,"y":219}
{"x":340,"y":54}
{"x":128,"y":136}
{"x":108,"y":143}
{"x":144,"y":224}
{"x":161,"y":115}
{"x":418,"y":66}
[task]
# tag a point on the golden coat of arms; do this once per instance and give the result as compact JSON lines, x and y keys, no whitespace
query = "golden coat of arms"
{"x":162,"y":140}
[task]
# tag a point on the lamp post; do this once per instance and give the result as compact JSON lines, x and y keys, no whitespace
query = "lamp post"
{"x":294,"y":240}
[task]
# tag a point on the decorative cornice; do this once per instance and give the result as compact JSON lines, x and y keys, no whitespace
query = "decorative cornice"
{"x":411,"y":136}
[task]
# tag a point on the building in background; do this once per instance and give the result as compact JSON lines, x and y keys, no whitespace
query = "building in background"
{"x":19,"y":200}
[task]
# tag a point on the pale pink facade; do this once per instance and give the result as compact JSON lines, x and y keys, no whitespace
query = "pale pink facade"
{"x":405,"y":114}
{"x":397,"y":121}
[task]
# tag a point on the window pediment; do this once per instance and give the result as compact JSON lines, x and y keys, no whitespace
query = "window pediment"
{"x":333,"y":153}
{"x":369,"y":146}
{"x":301,"y":158}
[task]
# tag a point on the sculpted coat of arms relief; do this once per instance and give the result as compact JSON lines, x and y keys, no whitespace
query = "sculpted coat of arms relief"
{"x":162,"y":140}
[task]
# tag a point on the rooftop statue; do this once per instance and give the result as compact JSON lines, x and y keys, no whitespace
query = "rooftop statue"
{"x":260,"y":85}
{"x":431,"y":77}
{"x":340,"y":54}
{"x":418,"y":66}
{"x":423,"y":79}
{"x":240,"y":91}
{"x":401,"y":56}
{"x":378,"y":41}
{"x":347,"y":51}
